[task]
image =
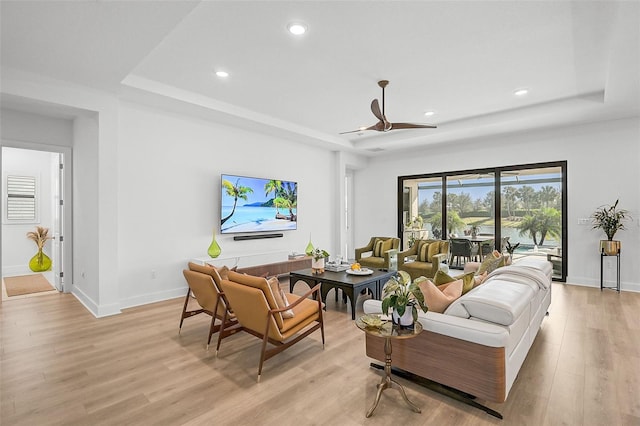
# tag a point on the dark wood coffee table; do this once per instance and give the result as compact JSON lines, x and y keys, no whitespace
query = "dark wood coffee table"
{"x":351,"y":285}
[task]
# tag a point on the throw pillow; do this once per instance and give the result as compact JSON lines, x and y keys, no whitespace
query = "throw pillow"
{"x":479,"y":279}
{"x":468,"y":281}
{"x":386,"y":246}
{"x":289,"y":312}
{"x":434,"y":248}
{"x":279,"y":297}
{"x":438,"y":300}
{"x":489,"y":263}
{"x":377,"y":247}
{"x":423,"y":252}
{"x":442,"y":277}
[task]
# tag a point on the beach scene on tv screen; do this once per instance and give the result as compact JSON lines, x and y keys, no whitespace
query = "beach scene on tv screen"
{"x":252,"y":204}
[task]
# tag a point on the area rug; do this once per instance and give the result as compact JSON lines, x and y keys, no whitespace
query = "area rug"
{"x":26,"y":284}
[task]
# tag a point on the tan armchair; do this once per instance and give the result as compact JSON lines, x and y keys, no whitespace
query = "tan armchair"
{"x":204,"y":284}
{"x":428,"y":256}
{"x":383,"y":253}
{"x":254,"y":303}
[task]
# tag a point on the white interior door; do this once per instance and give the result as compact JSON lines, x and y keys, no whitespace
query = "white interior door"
{"x":58,"y":235}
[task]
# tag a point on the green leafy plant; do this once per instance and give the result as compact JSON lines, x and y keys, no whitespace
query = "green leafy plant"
{"x":400,"y":293}
{"x":318,"y":254}
{"x":609,"y":219}
{"x":511,"y":248}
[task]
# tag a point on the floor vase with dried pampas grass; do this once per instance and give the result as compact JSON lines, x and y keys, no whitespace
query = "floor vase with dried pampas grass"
{"x":40,"y":262}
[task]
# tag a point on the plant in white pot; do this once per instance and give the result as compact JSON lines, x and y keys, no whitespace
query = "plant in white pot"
{"x":611,"y":220}
{"x":317,"y":262}
{"x":404,"y":297}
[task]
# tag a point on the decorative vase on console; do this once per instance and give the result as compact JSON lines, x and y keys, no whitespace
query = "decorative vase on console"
{"x":214,"y":249}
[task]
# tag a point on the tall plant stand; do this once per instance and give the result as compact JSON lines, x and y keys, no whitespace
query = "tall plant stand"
{"x":602,"y":256}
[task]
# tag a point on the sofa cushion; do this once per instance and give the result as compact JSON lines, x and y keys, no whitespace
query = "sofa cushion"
{"x":535,"y":262}
{"x":497,"y":301}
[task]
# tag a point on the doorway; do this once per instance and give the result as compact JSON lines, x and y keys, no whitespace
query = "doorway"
{"x":33,"y":201}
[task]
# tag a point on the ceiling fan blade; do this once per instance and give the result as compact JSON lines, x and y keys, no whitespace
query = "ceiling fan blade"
{"x":395,"y":126}
{"x":375,"y":109}
{"x":374,"y":127}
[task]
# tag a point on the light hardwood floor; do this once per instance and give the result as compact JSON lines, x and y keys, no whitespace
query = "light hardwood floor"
{"x":60,"y":365}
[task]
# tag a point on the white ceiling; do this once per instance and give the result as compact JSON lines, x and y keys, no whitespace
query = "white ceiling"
{"x":580,"y":60}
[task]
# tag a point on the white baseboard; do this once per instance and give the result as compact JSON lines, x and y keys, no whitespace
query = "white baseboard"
{"x":159,"y":296}
{"x":98,"y":311}
{"x":589,"y":282}
{"x":8,"y":271}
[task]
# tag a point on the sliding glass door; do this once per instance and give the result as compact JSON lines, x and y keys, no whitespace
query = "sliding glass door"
{"x":532,"y":212}
{"x":421,"y":215}
{"x":521,"y":209}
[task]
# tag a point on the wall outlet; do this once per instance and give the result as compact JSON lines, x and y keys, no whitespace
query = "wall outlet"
{"x":153,"y":274}
{"x":583,"y":221}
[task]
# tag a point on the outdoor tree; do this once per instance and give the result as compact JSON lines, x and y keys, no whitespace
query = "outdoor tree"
{"x":544,"y":222}
{"x":548,"y":196}
{"x":527,"y":195}
{"x":509,"y":196}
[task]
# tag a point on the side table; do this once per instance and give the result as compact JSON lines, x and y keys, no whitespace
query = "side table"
{"x":389,"y":332}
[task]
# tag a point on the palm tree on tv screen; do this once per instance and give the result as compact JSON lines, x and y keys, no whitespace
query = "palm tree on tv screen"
{"x":236,"y":191}
{"x":290,"y":195}
{"x":274,"y":186}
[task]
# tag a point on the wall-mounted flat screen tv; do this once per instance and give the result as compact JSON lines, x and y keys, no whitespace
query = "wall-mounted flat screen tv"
{"x":250,"y":204}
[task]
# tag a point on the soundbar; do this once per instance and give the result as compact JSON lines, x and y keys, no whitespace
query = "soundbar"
{"x":256,"y":237}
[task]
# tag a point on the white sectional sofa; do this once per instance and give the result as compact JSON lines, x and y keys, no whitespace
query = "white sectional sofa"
{"x":480,"y":342}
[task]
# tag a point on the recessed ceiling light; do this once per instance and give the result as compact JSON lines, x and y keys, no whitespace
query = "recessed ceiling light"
{"x":521,"y":92}
{"x":222,"y":74}
{"x":429,"y":113}
{"x":297,"y":28}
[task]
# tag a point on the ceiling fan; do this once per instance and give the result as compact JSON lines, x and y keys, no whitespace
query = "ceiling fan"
{"x":385,"y":125}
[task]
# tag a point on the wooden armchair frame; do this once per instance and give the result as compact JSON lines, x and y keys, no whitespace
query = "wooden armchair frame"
{"x":280,"y":336}
{"x":202,"y":284}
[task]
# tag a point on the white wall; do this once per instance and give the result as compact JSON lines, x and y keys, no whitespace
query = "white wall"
{"x":603,"y":165}
{"x":169,"y":169}
{"x":37,"y":128}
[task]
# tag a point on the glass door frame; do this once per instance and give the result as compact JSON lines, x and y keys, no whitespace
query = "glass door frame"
{"x":497,"y":173}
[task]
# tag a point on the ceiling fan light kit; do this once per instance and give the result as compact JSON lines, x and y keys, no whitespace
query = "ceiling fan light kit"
{"x":384,"y":125}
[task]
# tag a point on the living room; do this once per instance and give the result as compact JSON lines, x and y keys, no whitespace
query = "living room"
{"x":147,"y":177}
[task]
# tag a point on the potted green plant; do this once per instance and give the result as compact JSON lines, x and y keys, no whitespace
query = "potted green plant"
{"x":403,"y":296}
{"x":610,"y":219}
{"x":317,"y":262}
